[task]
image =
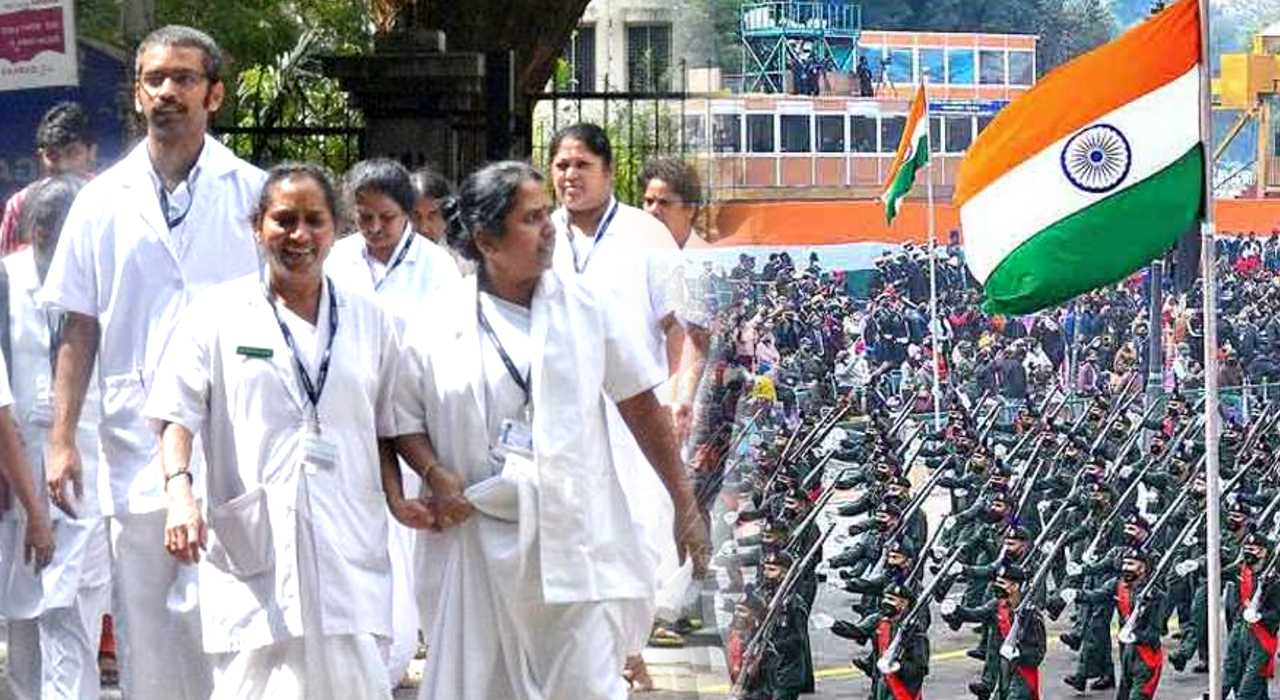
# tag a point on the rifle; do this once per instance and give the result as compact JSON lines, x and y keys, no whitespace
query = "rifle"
{"x":751,"y":656}
{"x":890,"y":655}
{"x":1111,"y":418}
{"x":1131,"y":439}
{"x":916,"y":502}
{"x":1009,"y":648}
{"x":1103,"y":527}
{"x":811,"y":517}
{"x":807,"y":481}
{"x":1126,"y":632}
{"x":1022,"y":440}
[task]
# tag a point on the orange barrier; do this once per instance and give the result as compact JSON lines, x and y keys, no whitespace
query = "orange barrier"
{"x":834,"y":222}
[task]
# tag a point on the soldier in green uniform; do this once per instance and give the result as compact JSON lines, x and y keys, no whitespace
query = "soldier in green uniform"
{"x":1009,"y":679}
{"x":1251,"y":648}
{"x":787,"y":663}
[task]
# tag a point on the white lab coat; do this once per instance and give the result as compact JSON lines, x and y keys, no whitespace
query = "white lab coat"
{"x":512,"y":596}
{"x":118,"y":262}
{"x":427,"y":272}
{"x":80,"y":557}
{"x":426,"y":276}
{"x":55,"y":617}
{"x":253,"y":414}
{"x":635,"y":270}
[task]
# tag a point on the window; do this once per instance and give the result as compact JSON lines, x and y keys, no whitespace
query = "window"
{"x":831,"y":133}
{"x":901,"y":66}
{"x":959,"y":133}
{"x":872,"y":54}
{"x":649,"y":57}
{"x":891,"y":133}
{"x":991,"y":67}
{"x":695,"y":132}
{"x":934,"y":62}
{"x":727,"y":133}
{"x":760,"y":133}
{"x":1022,"y":67}
{"x":795,"y":133}
{"x":960,"y":66}
{"x":582,"y":58}
{"x":863,"y":134}
{"x":935,"y":134}
{"x":982,"y":123}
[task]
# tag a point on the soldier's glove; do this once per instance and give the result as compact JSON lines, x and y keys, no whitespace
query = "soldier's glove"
{"x":1074,"y":568}
{"x":1186,"y":567}
{"x":1069,"y":595}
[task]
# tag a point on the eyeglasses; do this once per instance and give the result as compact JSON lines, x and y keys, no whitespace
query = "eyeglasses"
{"x":182,"y":79}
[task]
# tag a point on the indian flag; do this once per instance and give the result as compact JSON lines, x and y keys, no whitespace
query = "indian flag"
{"x":1091,"y":174}
{"x":913,"y":155}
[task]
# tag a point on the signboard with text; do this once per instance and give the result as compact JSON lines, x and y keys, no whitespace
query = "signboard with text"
{"x":37,"y":44}
{"x":958,"y":108}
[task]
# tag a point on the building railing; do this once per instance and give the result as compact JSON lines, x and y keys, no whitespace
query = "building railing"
{"x":800,"y":16}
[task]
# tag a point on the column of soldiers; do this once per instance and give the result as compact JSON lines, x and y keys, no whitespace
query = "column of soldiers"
{"x":1080,"y":511}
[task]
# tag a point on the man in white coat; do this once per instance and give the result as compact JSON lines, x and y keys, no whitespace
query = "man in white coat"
{"x":167,"y":221}
{"x":409,"y":274}
{"x":55,"y":616}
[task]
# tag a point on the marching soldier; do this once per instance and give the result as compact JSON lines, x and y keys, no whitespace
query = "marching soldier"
{"x":1251,"y":649}
{"x":1008,"y":679}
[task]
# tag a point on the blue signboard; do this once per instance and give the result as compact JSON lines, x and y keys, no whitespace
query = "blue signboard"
{"x":101,"y":91}
{"x":963,"y":108}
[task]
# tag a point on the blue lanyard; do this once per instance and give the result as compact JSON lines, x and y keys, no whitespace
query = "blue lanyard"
{"x":600,"y":231}
{"x":316,"y":388}
{"x":523,"y":382}
{"x":404,"y":253}
{"x":176,"y":221}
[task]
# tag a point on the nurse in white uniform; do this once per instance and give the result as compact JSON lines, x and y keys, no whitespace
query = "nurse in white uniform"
{"x":55,"y":616}
{"x":288,"y":379}
{"x":630,"y":262}
{"x":15,"y":475}
{"x":511,"y":384}
{"x":409,"y":274}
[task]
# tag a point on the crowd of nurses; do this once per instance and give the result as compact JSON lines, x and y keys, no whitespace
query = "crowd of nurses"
{"x":287,"y":460}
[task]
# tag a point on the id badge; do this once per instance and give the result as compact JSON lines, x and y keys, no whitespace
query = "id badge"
{"x":516,"y":437}
{"x":318,"y":453}
{"x":41,"y":413}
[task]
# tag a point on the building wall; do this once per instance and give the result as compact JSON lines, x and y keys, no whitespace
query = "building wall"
{"x":609,"y":19}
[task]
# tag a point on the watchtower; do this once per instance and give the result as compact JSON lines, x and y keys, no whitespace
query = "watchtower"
{"x":778,"y":35}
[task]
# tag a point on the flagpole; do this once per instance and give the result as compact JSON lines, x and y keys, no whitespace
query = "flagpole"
{"x":1212,"y":425}
{"x":933,"y":260}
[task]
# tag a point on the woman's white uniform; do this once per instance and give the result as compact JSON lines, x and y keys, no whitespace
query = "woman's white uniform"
{"x":633,"y":266}
{"x":295,"y":585}
{"x":55,"y":618}
{"x":531,"y":587}
{"x":419,"y":275}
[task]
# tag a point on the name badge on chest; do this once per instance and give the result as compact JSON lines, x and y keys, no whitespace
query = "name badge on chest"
{"x":514,"y":438}
{"x":318,"y":453}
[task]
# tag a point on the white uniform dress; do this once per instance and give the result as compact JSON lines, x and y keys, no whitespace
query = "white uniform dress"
{"x":119,"y":261}
{"x":55,"y":619}
{"x":530,"y":588}
{"x":419,"y":275}
{"x":632,"y":265}
{"x":295,"y":586}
